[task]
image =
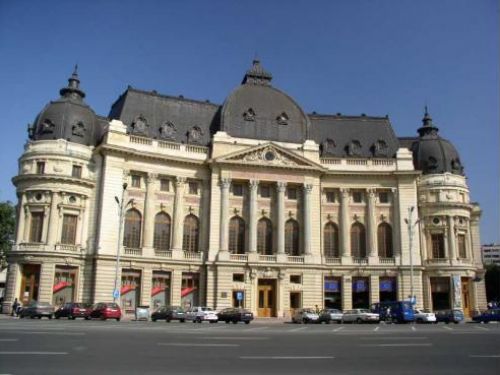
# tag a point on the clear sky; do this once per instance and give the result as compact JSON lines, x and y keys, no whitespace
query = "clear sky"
{"x":349,"y":56}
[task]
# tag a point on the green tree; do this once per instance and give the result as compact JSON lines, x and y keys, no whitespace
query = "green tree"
{"x":7,"y":227}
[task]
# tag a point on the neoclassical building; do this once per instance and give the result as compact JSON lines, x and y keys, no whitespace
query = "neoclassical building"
{"x":253,"y":203}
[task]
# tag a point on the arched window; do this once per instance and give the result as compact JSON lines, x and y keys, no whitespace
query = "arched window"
{"x":331,"y":240}
{"x":384,"y":236}
{"x":237,"y":235}
{"x":264,"y":237}
{"x":191,"y":234}
{"x":358,"y":241}
{"x":132,"y":232}
{"x":161,"y":239}
{"x":292,"y":237}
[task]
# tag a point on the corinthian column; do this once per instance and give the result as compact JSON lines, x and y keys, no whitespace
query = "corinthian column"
{"x":372,"y":230}
{"x":53,"y":219}
{"x":280,"y":188}
{"x":178,"y":213}
{"x":451,"y":239}
{"x":149,"y":212}
{"x":344,"y":222}
{"x":225,"y":183}
{"x":307,"y":218}
{"x":252,"y":225}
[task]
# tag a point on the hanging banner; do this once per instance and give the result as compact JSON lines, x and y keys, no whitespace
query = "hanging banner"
{"x":359,"y":285}
{"x":457,"y":292}
{"x":332,"y":285}
{"x":387,"y":285}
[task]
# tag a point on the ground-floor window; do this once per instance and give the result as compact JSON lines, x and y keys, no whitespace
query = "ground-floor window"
{"x":440,"y":291}
{"x":295,"y":301}
{"x":63,"y":289}
{"x":360,"y":293}
{"x":160,"y":289}
{"x":130,"y":290}
{"x":190,"y":290}
{"x":238,"y":298}
{"x":30,"y":281}
{"x":333,"y":293}
{"x":388,"y":290}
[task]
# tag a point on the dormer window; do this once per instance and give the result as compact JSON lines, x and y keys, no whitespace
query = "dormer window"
{"x":167,"y":130}
{"x":282,"y":119}
{"x":195,"y":135}
{"x":47,"y":127}
{"x":139,"y":125}
{"x":249,"y":115}
{"x":354,"y":148}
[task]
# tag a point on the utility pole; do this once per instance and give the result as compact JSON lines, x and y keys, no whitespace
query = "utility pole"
{"x":119,"y":202}
{"x":410,"y":224}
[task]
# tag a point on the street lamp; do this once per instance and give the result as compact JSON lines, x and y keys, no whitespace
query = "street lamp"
{"x":121,"y":207}
{"x":410,"y":224}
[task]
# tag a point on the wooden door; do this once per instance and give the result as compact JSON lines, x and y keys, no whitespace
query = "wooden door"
{"x":29,"y":283}
{"x":266,"y":300}
{"x":466,"y":297}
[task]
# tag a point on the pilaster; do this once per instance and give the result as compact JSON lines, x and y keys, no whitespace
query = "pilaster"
{"x":149,"y":211}
{"x":307,"y":218}
{"x":252,"y":224}
{"x":280,"y":189}
{"x":178,"y":214}
{"x":344,"y":224}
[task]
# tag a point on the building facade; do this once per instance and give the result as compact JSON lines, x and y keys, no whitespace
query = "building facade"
{"x":491,"y":254}
{"x":250,"y":203}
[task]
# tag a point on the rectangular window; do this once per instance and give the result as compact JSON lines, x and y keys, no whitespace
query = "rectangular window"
{"x":238,"y":277}
{"x":193,"y":188}
{"x":36,"y":226}
{"x":40,"y":167}
{"x":437,"y":246}
{"x":357,"y":197}
{"x":462,"y":251}
{"x":76,"y":171}
{"x":295,"y":300}
{"x":383,"y":197}
{"x":330,"y":196}
{"x":238,"y":190}
{"x":295,"y":279}
{"x":164,"y":184}
{"x":136,"y":181}
{"x":291,"y":193}
{"x":68,"y":235}
{"x":265,"y":191}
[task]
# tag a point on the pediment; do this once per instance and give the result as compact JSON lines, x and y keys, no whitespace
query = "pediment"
{"x":268,"y":155}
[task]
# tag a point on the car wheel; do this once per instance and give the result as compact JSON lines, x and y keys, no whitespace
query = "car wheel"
{"x":304,"y":321}
{"x":227,"y":321}
{"x":182,"y":320}
{"x":235,"y":321}
{"x":57,"y":316}
{"x":50,"y":316}
{"x":87,"y":318}
{"x":359,"y":321}
{"x":327,"y":322}
{"x":118,"y":319}
{"x":167,"y":320}
{"x":247,"y":322}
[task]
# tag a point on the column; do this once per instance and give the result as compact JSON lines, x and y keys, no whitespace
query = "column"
{"x":84,"y":241}
{"x":146,"y":285}
{"x":307,"y":218}
{"x":396,"y":223}
{"x":346,"y":292}
{"x":252,"y":224}
{"x":225,"y":183}
{"x":451,"y":239}
{"x":178,"y":213}
{"x":280,"y":189}
{"x":205,"y":216}
{"x":20,"y":220}
{"x":149,"y":211}
{"x":27,"y":215}
{"x":53,"y":220}
{"x":374,"y":289}
{"x":12,"y":287}
{"x":176,"y":285}
{"x":372,"y":230}
{"x":344,"y":222}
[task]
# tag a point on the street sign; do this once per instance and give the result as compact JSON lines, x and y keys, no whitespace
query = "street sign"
{"x":116,"y":293}
{"x":239,"y":296}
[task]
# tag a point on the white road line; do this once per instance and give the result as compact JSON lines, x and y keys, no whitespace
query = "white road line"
{"x":379,"y":337}
{"x":232,"y":338}
{"x":297,"y":329}
{"x":3,"y":340}
{"x":337,"y":329}
{"x":397,"y":344}
{"x":482,"y":328}
{"x":448,"y":328}
{"x":52,"y":333}
{"x":33,"y":353}
{"x":256,"y":329}
{"x":484,"y":356}
{"x":195,"y":344}
{"x":413,"y":328}
{"x":286,"y":357}
{"x":376,"y":329}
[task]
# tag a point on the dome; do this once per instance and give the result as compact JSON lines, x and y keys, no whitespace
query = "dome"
{"x":258,"y":111}
{"x":68,"y":118}
{"x":433,"y":154}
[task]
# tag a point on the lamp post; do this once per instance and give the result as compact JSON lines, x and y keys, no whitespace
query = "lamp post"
{"x":121,"y":206}
{"x":410,"y":224}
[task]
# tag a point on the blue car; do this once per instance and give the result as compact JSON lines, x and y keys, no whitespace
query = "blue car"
{"x":492,"y":315}
{"x":400,"y":311}
{"x":450,"y":316}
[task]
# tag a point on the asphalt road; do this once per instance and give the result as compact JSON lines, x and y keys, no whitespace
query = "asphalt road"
{"x":128,"y":347}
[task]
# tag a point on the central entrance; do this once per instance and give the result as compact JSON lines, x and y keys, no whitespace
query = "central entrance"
{"x":266,"y":298}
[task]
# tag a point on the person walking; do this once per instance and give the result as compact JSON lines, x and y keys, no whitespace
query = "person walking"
{"x":15,"y":306}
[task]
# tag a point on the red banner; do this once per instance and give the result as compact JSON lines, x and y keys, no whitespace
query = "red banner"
{"x":60,"y":285}
{"x":186,"y":291}
{"x":126,"y":288}
{"x":156,"y":290}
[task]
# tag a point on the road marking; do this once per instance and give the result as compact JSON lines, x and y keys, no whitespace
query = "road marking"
{"x":398,"y":344}
{"x":286,"y":357}
{"x":195,"y":344}
{"x":379,"y":337}
{"x":482,"y":328}
{"x":257,"y":329}
{"x":376,"y":329}
{"x":53,"y":333}
{"x":337,"y":329}
{"x":297,"y":329}
{"x":484,"y":356}
{"x":232,"y":338}
{"x":448,"y":328}
{"x":33,"y":353}
{"x":413,"y":328}
{"x":9,"y":340}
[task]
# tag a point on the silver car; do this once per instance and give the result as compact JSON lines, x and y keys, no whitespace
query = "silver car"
{"x":199,"y":314}
{"x":305,"y":316}
{"x":360,"y":316}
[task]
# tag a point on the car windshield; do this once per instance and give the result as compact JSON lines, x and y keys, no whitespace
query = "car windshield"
{"x":112,"y":305}
{"x":364,"y":311}
{"x":334,"y":311}
{"x":206,"y":309}
{"x":309,"y":311}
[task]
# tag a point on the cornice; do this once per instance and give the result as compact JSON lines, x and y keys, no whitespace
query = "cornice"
{"x":53,"y":178}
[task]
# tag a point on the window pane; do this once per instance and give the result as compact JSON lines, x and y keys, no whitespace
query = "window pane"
{"x":77,"y":171}
{"x":68,"y":235}
{"x":132,"y":232}
{"x":191,"y":233}
{"x":161,"y":239}
{"x":331,"y":240}
{"x":36,"y":226}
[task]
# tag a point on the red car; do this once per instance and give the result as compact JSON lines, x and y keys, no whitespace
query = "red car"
{"x":73,"y":310}
{"x":105,"y":310}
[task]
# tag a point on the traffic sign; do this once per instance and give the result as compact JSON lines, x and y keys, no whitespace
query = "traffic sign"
{"x":239,"y":296}
{"x":116,"y":293}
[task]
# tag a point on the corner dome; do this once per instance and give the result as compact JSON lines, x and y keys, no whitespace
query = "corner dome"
{"x":433,"y":154}
{"x":257,"y":110}
{"x":68,"y":118}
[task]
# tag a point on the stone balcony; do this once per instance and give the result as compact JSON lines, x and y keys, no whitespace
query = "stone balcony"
{"x":41,"y":247}
{"x":161,"y":254}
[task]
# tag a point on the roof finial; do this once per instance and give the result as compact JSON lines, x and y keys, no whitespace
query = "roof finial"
{"x":73,"y":89}
{"x":75,"y":71}
{"x":427,"y":125}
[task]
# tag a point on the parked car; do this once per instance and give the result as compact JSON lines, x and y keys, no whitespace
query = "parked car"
{"x":73,"y":310}
{"x":394,"y":311}
{"x":235,"y":315}
{"x":199,"y":314}
{"x":305,"y":316}
{"x":330,"y":315}
{"x":169,"y":313}
{"x":360,"y":316}
{"x":106,"y":310}
{"x":450,"y":316}
{"x":424,"y":316}
{"x":490,"y":315}
{"x":37,"y":310}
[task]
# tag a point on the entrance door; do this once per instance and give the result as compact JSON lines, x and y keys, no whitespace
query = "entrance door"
{"x":465,"y":296}
{"x":29,"y":283}
{"x":266,"y":298}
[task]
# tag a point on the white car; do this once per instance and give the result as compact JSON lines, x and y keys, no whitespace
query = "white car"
{"x":305,"y":316}
{"x":425,"y":316}
{"x":360,"y":316}
{"x":200,"y":314}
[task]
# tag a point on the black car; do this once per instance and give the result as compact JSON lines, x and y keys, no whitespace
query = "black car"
{"x":73,"y":310}
{"x":449,"y":316}
{"x":235,"y":315}
{"x":37,"y":310}
{"x":169,"y":313}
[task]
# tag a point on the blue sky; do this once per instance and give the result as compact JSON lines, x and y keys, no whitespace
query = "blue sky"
{"x":358,"y":56}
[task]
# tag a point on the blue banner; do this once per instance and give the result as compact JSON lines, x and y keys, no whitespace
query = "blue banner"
{"x":359,"y":285}
{"x":387,"y":285}
{"x":332,"y":286}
